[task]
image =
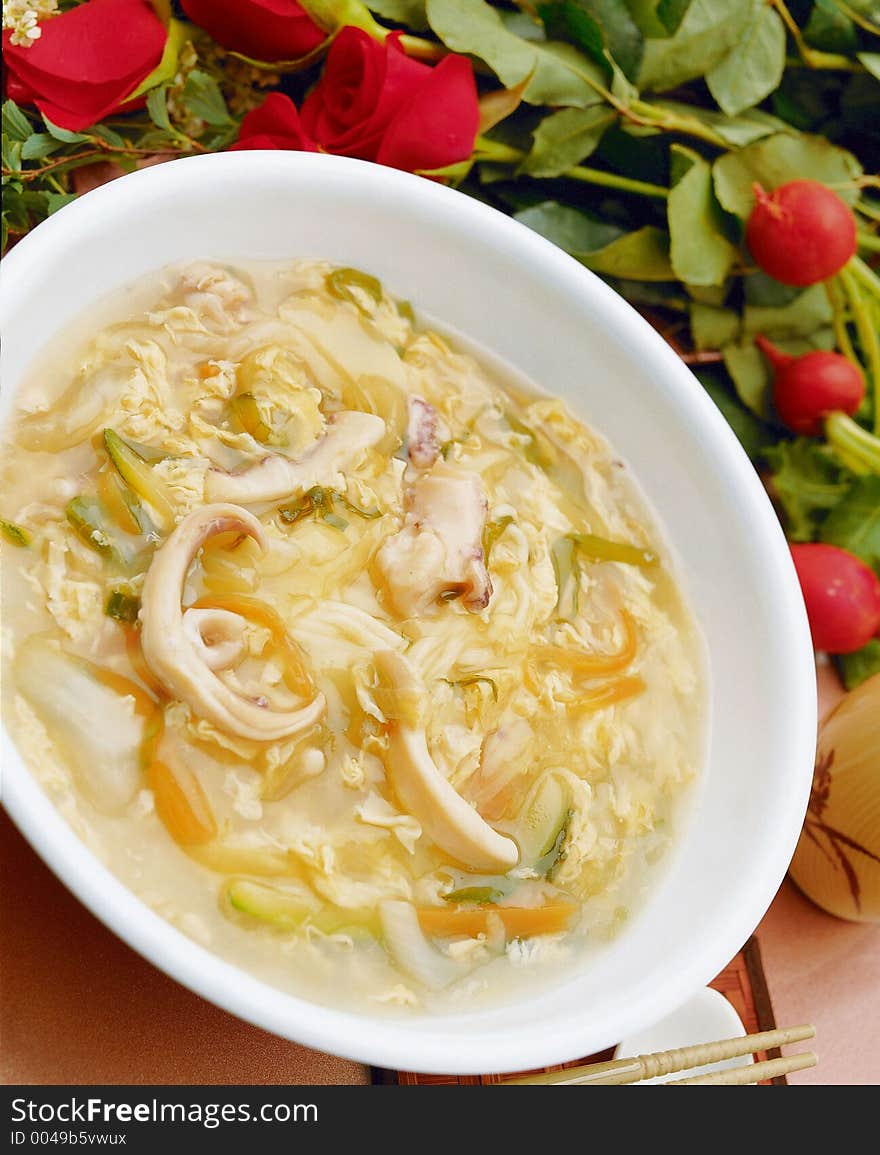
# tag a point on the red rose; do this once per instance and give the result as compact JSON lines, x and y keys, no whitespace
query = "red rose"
{"x":373,"y":102}
{"x":87,"y":62}
{"x":261,"y":29}
{"x":275,"y":124}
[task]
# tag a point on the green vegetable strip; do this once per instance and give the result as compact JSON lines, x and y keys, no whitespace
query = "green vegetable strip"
{"x":867,"y":331}
{"x":341,"y":284}
{"x":122,"y":606}
{"x":837,"y":301}
{"x":858,"y":448}
{"x":139,"y":476}
{"x":247,"y":415}
{"x":369,"y":514}
{"x":601,"y":549}
{"x":88,"y":518}
{"x":474,"y":894}
{"x":476,"y":680}
{"x":15,"y":534}
{"x":493,"y":530}
{"x":539,"y":449}
{"x":564,"y":554}
{"x":319,"y":501}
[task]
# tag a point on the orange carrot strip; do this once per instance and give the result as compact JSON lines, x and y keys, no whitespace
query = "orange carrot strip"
{"x":144,"y":703}
{"x":518,"y":921}
{"x":181,"y":804}
{"x":589,"y":665}
{"x":297,"y":676}
{"x":616,"y":691}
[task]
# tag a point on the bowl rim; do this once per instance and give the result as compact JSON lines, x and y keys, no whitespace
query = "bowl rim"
{"x":390,"y":1042}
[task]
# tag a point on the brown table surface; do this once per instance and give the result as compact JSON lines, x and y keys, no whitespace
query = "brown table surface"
{"x":78,"y":1006}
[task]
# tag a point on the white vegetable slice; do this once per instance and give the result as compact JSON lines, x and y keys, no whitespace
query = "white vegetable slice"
{"x":410,"y":949}
{"x":95,"y":726}
{"x":446,"y":818}
{"x":349,"y":434}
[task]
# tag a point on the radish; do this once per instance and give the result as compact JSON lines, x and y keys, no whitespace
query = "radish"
{"x":807,"y":388}
{"x":801,"y":233}
{"x":842,"y":596}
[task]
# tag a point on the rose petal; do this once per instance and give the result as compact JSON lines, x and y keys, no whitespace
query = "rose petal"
{"x":438,"y":125}
{"x":95,"y":43}
{"x":275,"y":124}
{"x":361,"y":90}
{"x":262,"y":29}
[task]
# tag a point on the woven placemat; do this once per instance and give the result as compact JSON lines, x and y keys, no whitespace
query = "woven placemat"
{"x":742,"y":982}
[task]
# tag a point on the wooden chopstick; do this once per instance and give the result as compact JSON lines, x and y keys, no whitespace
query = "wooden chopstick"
{"x":753,"y":1073}
{"x":616,"y":1072}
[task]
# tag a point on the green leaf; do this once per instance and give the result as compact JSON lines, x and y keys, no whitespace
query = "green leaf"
{"x":203,"y":98}
{"x":12,"y":153}
{"x":102,"y":132}
{"x":166,"y":69}
{"x":641,"y":256}
{"x":157,"y":107}
{"x":64,"y":134}
{"x":712,"y":327}
{"x":709,"y":29}
{"x":15,"y":124}
{"x":737,"y":131}
{"x":700,"y":253}
{"x":598,"y":27}
{"x":759,"y":288}
{"x":409,"y":12}
{"x":334,"y":14}
{"x":574,"y":231}
{"x":753,"y":68}
{"x":857,"y":667}
{"x":670,"y":13}
{"x":56,"y":201}
{"x":854,"y":523}
{"x":753,"y":435}
{"x":807,"y":313}
{"x":714,"y":295}
{"x":565,"y":138}
{"x":751,"y":377}
{"x":780,"y":158}
{"x":561,"y":75}
{"x":871,"y":61}
{"x":644,"y":14}
{"x":829,"y":30}
{"x":808,"y":482}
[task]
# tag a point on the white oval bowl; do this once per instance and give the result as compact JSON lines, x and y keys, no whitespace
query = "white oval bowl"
{"x":528,"y":302}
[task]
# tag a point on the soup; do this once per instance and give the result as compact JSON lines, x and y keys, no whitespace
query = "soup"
{"x":353,"y":655}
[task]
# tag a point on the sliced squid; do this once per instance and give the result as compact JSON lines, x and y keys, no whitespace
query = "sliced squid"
{"x":438,"y":553}
{"x":422,"y":442}
{"x":349,"y":434}
{"x":177,"y":649}
{"x":446,"y":818}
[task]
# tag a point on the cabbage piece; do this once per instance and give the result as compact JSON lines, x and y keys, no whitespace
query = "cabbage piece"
{"x":96,"y":727}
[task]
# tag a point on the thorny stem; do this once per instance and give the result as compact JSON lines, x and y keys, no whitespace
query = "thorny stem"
{"x":612,"y":180}
{"x":79,"y":158}
{"x":810,"y":56}
{"x":494,"y":150}
{"x":418,"y":48}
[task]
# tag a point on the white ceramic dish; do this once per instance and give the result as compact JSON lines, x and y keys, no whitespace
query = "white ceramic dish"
{"x":524,"y":299}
